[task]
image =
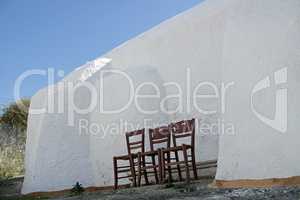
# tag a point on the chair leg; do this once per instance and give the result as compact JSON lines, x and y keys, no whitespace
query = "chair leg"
{"x":131,"y":161}
{"x":154,"y":168}
{"x":169,"y":167}
{"x":187,"y":170}
{"x":140,"y":169}
{"x":145,"y":171}
{"x":115,"y":173}
{"x":194,"y":164}
{"x":159,"y":166}
{"x":162,"y":163}
{"x":178,"y":166}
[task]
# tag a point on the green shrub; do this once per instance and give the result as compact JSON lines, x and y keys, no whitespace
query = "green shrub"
{"x":77,"y":189}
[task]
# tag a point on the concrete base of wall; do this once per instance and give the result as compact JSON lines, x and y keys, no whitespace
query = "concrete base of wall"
{"x":253,"y":183}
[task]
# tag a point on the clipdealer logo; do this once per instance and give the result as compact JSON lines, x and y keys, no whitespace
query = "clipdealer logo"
{"x":279,"y":121}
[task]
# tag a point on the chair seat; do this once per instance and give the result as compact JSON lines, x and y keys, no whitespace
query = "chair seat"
{"x":124,"y":170}
{"x":173,"y":149}
{"x":126,"y":157}
{"x":175,"y":163}
{"x":151,"y":167}
{"x":123,"y":157}
{"x":149,"y":153}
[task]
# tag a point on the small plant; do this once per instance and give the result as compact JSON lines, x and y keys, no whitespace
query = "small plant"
{"x":169,"y":185}
{"x":77,"y":189}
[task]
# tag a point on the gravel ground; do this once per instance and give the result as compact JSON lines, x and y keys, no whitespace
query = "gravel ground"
{"x":196,"y":190}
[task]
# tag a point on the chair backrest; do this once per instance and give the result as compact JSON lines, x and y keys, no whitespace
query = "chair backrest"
{"x":160,"y":135}
{"x":135,"y":141}
{"x":183,"y":129}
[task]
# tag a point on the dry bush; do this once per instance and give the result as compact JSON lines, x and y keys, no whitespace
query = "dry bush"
{"x":13,"y":123}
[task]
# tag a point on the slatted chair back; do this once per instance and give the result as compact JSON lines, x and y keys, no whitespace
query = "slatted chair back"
{"x":135,"y":141}
{"x":183,"y":129}
{"x":158,"y":136}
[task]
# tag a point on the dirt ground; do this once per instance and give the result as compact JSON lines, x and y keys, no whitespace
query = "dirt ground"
{"x":9,"y":190}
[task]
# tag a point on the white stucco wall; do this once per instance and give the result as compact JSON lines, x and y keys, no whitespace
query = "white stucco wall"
{"x":190,"y":41}
{"x":261,"y":40}
{"x":58,"y":155}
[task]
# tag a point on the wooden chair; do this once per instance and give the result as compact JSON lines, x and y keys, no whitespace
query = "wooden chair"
{"x":167,"y":163}
{"x":127,"y":169}
{"x":133,"y":147}
{"x":185,"y":129}
{"x":158,"y":136}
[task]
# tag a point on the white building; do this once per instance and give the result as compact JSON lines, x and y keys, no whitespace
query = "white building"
{"x":245,"y":54}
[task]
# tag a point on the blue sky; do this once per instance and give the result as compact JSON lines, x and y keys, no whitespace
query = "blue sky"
{"x":64,"y":34}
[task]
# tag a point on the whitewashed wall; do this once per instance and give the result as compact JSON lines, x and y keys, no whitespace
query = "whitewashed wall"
{"x":262,"y":40}
{"x":57,"y":155}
